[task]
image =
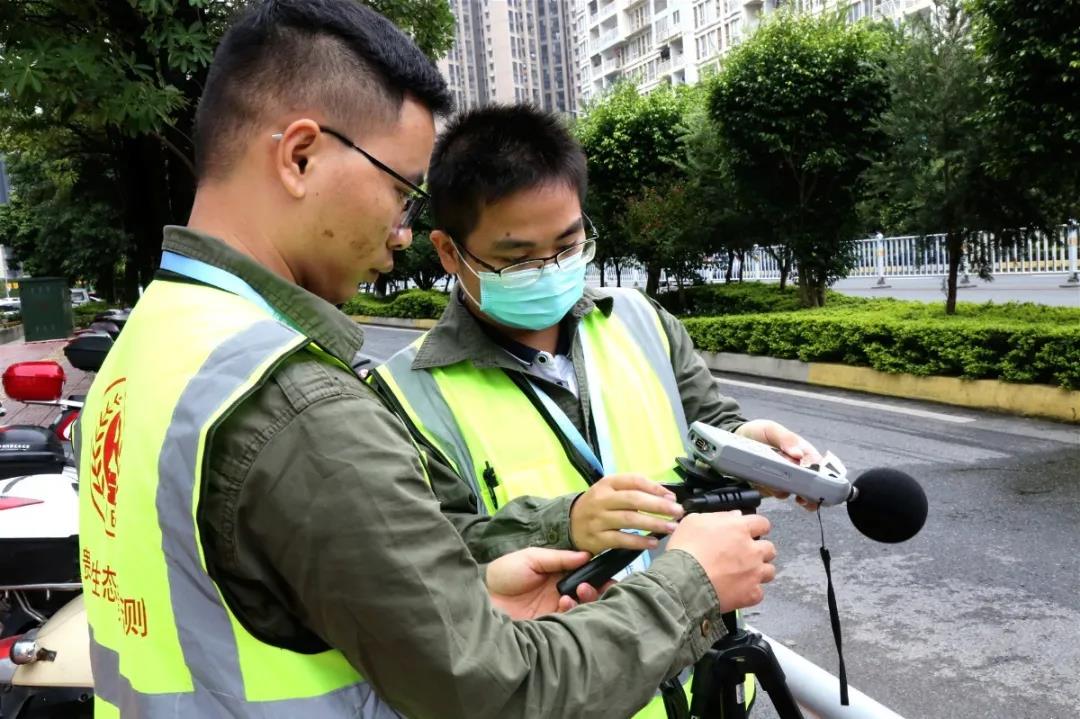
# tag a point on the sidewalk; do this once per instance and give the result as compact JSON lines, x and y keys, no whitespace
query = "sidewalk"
{"x":77,"y":381}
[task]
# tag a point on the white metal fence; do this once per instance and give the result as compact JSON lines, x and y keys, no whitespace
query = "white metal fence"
{"x":907,"y":256}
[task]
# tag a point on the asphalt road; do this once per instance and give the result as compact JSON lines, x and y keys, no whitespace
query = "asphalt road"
{"x":979,"y":616}
{"x":1041,"y":289}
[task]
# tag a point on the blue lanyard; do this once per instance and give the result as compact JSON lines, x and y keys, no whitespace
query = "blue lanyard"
{"x":606,"y":461}
{"x":603,"y":437}
{"x":216,"y":277}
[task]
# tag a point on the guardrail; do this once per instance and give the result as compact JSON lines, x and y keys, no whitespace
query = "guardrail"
{"x":906,"y":256}
{"x":818,"y":691}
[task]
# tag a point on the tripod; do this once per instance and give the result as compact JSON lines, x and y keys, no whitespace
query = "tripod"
{"x":719,"y":676}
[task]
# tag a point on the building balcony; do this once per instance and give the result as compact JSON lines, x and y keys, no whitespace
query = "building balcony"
{"x":665,"y":29}
{"x":609,"y":38}
{"x":608,"y":11}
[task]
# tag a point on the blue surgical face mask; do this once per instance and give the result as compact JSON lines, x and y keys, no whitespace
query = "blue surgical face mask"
{"x":535,"y":306}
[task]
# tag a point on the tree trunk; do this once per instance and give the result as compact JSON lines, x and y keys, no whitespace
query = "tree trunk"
{"x":730,"y":266}
{"x":954,"y":243}
{"x":618,"y":272}
{"x":809,"y":294}
{"x":652,"y":280}
{"x":742,"y":264}
{"x":682,"y":293}
{"x":602,"y":265}
{"x":785,"y":270}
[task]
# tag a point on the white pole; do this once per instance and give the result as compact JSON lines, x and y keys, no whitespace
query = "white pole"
{"x":1072,"y":230}
{"x":818,"y":691}
{"x":879,"y":248}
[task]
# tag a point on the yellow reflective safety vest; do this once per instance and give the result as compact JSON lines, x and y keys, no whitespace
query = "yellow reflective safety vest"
{"x":499,"y":437}
{"x":163,"y":641}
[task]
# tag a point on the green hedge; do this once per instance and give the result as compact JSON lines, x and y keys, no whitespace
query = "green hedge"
{"x":410,"y":304}
{"x":741,"y":298}
{"x":982,"y":344}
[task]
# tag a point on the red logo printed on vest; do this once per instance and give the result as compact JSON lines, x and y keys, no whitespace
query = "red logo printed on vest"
{"x":105,"y":452}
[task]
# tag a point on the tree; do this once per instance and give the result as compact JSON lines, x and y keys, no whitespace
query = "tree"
{"x":934,"y":177}
{"x":726,"y":225}
{"x":795,"y":107}
{"x":665,"y":229}
{"x":419,"y":264}
{"x":633,"y":143}
{"x":125,"y":77}
{"x":1032,"y":51}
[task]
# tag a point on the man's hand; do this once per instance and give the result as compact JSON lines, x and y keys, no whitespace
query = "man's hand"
{"x":797,"y":449}
{"x":522,"y":583}
{"x":618,"y":502}
{"x":726,"y":545}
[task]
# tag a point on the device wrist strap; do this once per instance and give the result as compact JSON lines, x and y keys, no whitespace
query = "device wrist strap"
{"x":834,"y":615}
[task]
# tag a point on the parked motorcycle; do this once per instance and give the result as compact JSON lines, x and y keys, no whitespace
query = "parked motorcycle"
{"x":44,"y":646}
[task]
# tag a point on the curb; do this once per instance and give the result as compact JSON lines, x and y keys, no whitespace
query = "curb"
{"x":11,"y":334}
{"x":1034,"y":400}
{"x":399,"y":322}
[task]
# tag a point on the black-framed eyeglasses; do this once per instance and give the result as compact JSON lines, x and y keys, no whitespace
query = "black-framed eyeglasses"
{"x":527,"y":272}
{"x":414,"y":203}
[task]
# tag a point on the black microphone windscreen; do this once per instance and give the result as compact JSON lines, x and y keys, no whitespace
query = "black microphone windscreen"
{"x":890,"y":507}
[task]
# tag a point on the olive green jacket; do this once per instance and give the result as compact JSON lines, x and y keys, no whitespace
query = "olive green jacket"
{"x":530,"y":521}
{"x":319,"y":528}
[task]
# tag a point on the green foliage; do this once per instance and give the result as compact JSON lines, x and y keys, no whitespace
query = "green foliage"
{"x":794,"y":106}
{"x":84,"y":314}
{"x":633,"y":143}
{"x":419,"y":263}
{"x":1033,"y":53}
{"x":665,"y":228}
{"x":1016,"y":343}
{"x":934,"y":176}
{"x":410,"y":304}
{"x":739,"y":298}
{"x":119,"y":80}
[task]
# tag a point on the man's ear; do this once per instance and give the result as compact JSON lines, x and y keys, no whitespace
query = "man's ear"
{"x":448,"y":252}
{"x":295,"y":155}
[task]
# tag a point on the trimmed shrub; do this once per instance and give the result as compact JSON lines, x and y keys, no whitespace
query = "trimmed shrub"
{"x":410,"y":304}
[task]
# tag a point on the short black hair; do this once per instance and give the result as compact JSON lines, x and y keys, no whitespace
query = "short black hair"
{"x":488,"y":154}
{"x":337,"y":55}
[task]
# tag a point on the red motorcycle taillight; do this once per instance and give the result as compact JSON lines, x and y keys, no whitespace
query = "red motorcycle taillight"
{"x":39,"y":381}
{"x":16,"y":502}
{"x":5,"y":646}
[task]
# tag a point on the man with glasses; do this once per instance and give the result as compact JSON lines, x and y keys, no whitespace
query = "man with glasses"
{"x":532,"y":387}
{"x":269,"y":540}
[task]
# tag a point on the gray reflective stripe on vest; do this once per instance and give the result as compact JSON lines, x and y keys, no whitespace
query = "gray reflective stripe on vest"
{"x":424,"y":396}
{"x":640,"y":318}
{"x":202,"y":622}
{"x":356,"y":700}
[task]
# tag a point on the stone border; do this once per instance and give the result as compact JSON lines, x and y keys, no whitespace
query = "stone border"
{"x":1034,"y":400}
{"x":394,"y":322}
{"x":11,"y":334}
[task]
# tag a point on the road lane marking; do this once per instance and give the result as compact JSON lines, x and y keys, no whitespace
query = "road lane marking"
{"x":954,"y":418}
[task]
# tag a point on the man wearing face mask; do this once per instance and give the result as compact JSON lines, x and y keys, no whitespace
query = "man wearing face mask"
{"x":533,"y":387}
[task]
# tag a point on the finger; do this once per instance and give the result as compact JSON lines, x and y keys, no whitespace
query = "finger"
{"x":587,"y":593}
{"x":758,"y":525}
{"x":624,"y":519}
{"x":767,"y":549}
{"x":566,"y":604}
{"x":768,"y":573}
{"x":626,"y":540}
{"x":640,"y":483}
{"x":643,"y":502}
{"x":553,"y":561}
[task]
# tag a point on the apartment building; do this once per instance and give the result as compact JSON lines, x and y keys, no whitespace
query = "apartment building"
{"x":654,"y":42}
{"x":511,"y":51}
